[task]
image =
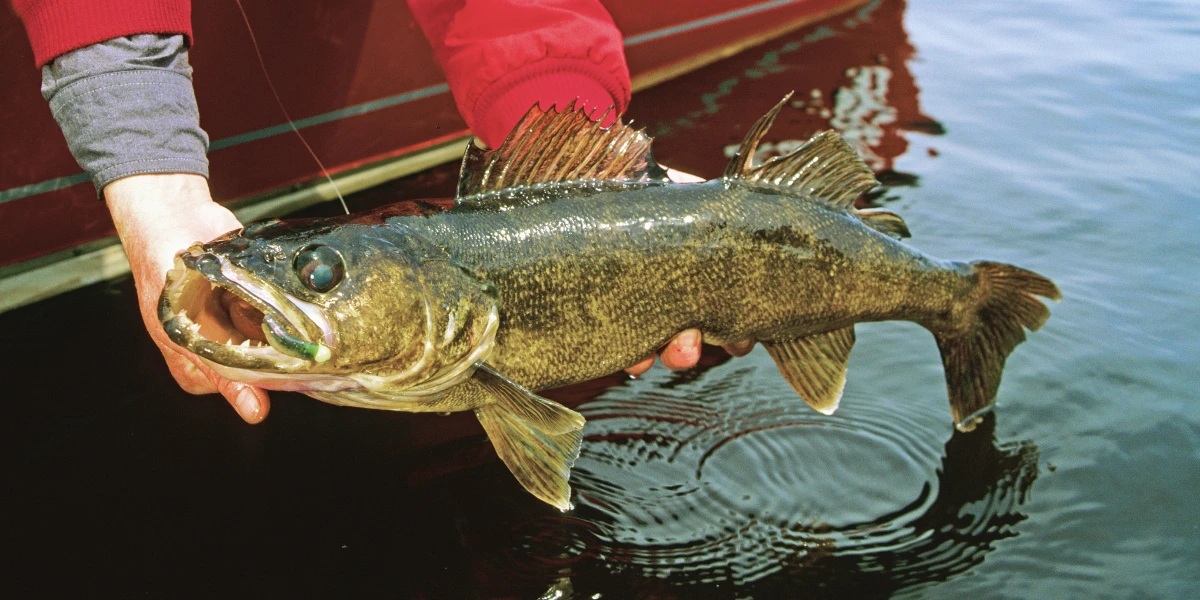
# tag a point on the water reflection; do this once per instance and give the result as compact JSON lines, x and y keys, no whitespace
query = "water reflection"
{"x":730,"y":479}
{"x":849,"y":73}
{"x":713,"y":483}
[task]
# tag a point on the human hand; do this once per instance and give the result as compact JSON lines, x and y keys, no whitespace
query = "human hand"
{"x":157,"y":216}
{"x":683,"y":351}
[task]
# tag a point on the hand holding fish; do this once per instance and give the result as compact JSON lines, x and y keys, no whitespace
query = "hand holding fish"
{"x":683,"y":351}
{"x":156,"y":217}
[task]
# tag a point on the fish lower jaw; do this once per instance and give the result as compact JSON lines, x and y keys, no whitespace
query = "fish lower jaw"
{"x":237,"y":350}
{"x":285,"y":382}
{"x":236,"y":324}
{"x":242,"y":342}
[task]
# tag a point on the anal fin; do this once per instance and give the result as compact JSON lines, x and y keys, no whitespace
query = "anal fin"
{"x":537,"y":439}
{"x":815,"y":366}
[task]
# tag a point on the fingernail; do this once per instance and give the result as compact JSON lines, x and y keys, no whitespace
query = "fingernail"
{"x":690,"y":337}
{"x":247,"y":405}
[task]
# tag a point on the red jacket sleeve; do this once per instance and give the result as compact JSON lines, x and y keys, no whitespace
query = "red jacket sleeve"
{"x":56,"y":27}
{"x":502,"y":56}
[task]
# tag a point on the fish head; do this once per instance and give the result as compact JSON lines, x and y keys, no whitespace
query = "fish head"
{"x":327,"y":305}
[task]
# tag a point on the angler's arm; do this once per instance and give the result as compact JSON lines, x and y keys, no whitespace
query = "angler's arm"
{"x":116,"y":75}
{"x":502,"y":56}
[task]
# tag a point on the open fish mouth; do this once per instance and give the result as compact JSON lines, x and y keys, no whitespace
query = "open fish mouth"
{"x":219,"y":312}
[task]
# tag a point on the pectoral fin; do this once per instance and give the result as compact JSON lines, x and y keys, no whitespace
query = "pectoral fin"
{"x":815,"y":366}
{"x":536,"y":438}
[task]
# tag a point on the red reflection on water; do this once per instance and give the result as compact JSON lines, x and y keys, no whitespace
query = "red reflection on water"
{"x":849,"y":73}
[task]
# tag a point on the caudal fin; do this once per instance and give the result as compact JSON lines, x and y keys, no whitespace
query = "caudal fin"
{"x":974,"y":358}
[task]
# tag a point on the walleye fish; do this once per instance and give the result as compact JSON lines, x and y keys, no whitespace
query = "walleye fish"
{"x":569,"y":255}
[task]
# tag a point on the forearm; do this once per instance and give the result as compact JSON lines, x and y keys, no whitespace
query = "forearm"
{"x":126,"y":107}
{"x":502,"y":56}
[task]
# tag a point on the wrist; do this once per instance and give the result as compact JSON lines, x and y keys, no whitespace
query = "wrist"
{"x":162,"y":198}
{"x":159,"y":215}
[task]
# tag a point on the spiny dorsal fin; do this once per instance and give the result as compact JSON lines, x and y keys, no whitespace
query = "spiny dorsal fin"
{"x":815,"y":366}
{"x":551,"y":146}
{"x":825,"y":167}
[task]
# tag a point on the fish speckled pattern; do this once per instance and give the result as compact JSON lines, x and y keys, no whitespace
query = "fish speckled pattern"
{"x":569,"y":255}
{"x":591,"y":284}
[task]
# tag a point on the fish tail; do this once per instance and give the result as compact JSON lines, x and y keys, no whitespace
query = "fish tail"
{"x":974,"y":356}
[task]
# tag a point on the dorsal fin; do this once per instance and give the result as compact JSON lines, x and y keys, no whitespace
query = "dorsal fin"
{"x":552,"y":146}
{"x":824,"y":167}
{"x":741,"y":163}
{"x":885,"y":222}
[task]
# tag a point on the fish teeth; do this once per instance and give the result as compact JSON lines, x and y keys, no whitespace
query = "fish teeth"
{"x":245,"y":343}
{"x":183,"y":313}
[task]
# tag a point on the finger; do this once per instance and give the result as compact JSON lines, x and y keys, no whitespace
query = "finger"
{"x":739,"y":348}
{"x":683,"y":351}
{"x":679,"y":177}
{"x":251,"y":403}
{"x":641,"y":367}
{"x":189,"y":378}
{"x":185,"y":372}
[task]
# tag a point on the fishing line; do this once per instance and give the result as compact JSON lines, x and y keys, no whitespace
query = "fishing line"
{"x":279,"y":101}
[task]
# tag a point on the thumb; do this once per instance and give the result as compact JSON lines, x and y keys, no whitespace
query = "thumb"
{"x":251,"y":403}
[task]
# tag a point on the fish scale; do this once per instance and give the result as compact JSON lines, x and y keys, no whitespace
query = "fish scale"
{"x":579,"y":290}
{"x":569,"y":255}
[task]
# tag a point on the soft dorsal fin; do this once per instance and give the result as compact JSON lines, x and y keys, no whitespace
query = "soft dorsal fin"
{"x":740,"y":166}
{"x":552,"y":146}
{"x":825,"y":167}
{"x":885,"y":222}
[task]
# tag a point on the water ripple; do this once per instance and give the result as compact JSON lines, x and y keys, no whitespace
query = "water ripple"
{"x":731,"y":478}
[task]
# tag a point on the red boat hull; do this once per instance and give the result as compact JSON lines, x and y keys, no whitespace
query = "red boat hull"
{"x":358,"y":78}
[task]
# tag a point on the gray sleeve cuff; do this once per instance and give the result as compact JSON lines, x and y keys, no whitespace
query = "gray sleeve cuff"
{"x":126,"y":107}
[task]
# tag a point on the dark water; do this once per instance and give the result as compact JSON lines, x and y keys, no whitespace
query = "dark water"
{"x":1061,"y":137}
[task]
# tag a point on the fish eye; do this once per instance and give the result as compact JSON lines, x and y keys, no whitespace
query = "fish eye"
{"x":319,"y":267}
